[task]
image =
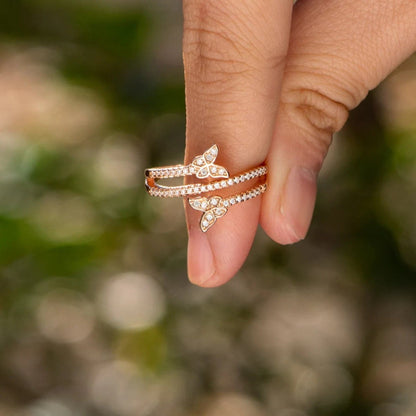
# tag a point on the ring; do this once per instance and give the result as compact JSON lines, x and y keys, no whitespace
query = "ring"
{"x":203,"y":167}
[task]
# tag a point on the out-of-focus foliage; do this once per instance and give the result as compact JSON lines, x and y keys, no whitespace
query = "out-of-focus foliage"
{"x":96,"y":315}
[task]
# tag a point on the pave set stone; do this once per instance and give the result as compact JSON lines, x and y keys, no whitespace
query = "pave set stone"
{"x":202,"y":166}
{"x":196,"y":188}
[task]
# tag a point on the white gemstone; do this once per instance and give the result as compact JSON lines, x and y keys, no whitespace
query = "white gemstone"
{"x":204,"y":172}
{"x":205,"y":223}
{"x":210,"y":188}
{"x":238,"y":198}
{"x":204,"y":204}
{"x":209,"y":157}
{"x":217,"y":185}
{"x":223,"y":184}
{"x":192,"y":169}
{"x":197,"y":204}
{"x":203,"y":188}
{"x":236,"y":180}
{"x":230,"y":182}
{"x":213,"y":169}
{"x":209,"y":217}
{"x":214,"y":202}
{"x":199,"y":162}
{"x":226,"y":203}
{"x":197,"y":190}
{"x":243,"y":198}
{"x":232,"y":201}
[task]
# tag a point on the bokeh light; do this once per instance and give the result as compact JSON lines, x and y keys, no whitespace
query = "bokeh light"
{"x":131,"y":301}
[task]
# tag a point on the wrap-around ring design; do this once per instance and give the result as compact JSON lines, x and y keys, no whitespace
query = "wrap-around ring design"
{"x":203,"y":167}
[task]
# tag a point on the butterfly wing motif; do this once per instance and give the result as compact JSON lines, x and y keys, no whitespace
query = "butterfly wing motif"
{"x":213,"y":209}
{"x":205,"y":167}
{"x":200,"y":204}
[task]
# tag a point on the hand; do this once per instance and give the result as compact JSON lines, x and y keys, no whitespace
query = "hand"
{"x":269,"y":80}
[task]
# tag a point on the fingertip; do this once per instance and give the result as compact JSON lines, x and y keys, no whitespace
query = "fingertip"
{"x":201,"y":264}
{"x":216,"y":256}
{"x":286,"y":215}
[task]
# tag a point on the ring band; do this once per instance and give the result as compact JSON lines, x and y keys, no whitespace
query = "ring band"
{"x":202,"y":166}
{"x":216,"y":207}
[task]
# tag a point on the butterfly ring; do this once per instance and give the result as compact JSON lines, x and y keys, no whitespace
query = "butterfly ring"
{"x":203,"y":167}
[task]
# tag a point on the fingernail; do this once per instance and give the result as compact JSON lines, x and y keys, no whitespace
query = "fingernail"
{"x":299,"y":200}
{"x":201,"y":265}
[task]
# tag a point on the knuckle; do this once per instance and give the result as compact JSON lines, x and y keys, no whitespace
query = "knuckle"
{"x":315,"y":111}
{"x":219,"y":43}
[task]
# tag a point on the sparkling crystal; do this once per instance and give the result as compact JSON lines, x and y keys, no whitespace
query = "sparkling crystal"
{"x":205,"y":223}
{"x":226,"y":203}
{"x":214,"y":202}
{"x":210,"y":188}
{"x":204,"y":204}
{"x":236,"y":180}
{"x":209,"y":157}
{"x":223,"y":184}
{"x":217,"y":185}
{"x":209,"y":217}
{"x":232,"y":201}
{"x":238,"y":198}
{"x":230,"y":182}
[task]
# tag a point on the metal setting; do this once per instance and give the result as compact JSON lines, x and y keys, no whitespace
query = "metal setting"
{"x":203,"y":167}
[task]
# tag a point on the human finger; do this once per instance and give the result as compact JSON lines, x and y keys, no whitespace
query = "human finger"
{"x":339,"y":50}
{"x":234,"y":53}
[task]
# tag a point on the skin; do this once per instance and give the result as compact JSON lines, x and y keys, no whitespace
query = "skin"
{"x":270,"y":81}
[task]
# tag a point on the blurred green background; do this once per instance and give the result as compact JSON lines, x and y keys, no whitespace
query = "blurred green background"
{"x":96,"y":315}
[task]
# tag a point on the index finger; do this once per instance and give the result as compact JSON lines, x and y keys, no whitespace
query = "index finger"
{"x":234,"y":55}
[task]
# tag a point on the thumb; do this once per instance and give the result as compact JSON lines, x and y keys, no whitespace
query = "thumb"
{"x":331,"y":65}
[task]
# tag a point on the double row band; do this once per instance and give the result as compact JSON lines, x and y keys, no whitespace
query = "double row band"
{"x":203,"y":167}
